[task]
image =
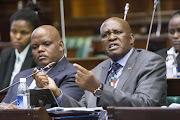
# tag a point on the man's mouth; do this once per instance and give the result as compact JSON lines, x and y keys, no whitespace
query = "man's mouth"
{"x":42,"y":57}
{"x":113,"y":46}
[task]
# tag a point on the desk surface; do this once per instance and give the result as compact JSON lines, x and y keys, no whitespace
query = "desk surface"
{"x":143,"y":113}
{"x":41,"y":114}
{"x":24,"y":114}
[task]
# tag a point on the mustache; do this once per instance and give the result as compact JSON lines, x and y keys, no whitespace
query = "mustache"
{"x":42,"y":55}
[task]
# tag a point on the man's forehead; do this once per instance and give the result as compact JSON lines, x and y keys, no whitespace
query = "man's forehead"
{"x":111,"y":25}
{"x":40,"y":31}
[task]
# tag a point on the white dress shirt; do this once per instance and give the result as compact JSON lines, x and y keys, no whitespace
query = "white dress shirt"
{"x":20,"y":57}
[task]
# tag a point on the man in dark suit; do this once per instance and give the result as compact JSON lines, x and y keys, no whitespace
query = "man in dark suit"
{"x":18,"y":57}
{"x":48,"y":47}
{"x":174,"y":37}
{"x":130,"y":77}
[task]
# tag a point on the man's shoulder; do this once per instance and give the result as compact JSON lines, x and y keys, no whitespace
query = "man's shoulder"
{"x":162,"y":52}
{"x":66,"y":65}
{"x":104,"y":63}
{"x":147,"y":55}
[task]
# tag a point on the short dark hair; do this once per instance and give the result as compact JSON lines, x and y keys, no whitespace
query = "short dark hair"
{"x":27,"y":14}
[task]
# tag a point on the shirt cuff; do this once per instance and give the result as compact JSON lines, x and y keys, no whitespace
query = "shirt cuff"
{"x":59,"y":98}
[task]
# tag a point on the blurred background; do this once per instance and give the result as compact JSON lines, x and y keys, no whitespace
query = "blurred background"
{"x":84,"y":17}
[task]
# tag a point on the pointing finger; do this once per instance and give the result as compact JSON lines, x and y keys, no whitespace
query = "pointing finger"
{"x":80,"y":68}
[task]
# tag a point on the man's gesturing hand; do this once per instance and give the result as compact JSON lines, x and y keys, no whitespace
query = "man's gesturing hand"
{"x":86,"y":79}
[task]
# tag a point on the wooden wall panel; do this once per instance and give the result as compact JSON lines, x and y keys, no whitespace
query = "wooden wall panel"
{"x":84,"y":17}
{"x":88,"y":8}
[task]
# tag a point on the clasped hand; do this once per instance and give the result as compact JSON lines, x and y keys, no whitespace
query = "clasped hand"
{"x":44,"y":81}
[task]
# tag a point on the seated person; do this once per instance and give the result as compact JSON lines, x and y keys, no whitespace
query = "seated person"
{"x":48,"y":47}
{"x":130,"y":77}
{"x":18,"y":57}
{"x":174,"y":37}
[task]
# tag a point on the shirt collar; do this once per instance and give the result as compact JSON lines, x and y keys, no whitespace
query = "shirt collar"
{"x":123,"y":60}
{"x":23,"y":54}
{"x":174,"y":51}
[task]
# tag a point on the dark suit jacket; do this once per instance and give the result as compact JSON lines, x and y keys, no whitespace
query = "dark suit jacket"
{"x":142,"y":83}
{"x":163,"y":53}
{"x":63,"y":73}
{"x":7,"y":61}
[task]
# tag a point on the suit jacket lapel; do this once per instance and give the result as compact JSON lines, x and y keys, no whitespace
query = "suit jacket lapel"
{"x":60,"y":66}
{"x":104,"y":71}
{"x":127,"y":70}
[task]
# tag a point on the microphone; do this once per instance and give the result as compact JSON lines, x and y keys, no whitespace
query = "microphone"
{"x":155,"y":4}
{"x":158,"y":31}
{"x":44,"y":68}
{"x":126,"y":10}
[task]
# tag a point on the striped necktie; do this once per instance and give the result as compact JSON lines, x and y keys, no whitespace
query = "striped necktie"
{"x":112,"y":77}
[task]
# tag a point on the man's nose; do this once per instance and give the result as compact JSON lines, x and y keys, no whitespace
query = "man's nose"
{"x":176,"y":34}
{"x":41,"y":48}
{"x":112,"y":37}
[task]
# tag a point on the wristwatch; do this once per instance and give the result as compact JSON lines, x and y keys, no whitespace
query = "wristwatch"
{"x":97,"y":92}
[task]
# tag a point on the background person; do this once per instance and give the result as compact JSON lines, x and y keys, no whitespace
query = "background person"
{"x":174,"y":37}
{"x":19,"y":57}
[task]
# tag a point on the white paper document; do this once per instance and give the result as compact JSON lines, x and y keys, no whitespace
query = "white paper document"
{"x":54,"y":109}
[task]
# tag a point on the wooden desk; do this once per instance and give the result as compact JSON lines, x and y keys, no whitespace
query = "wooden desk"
{"x":143,"y":113}
{"x":173,"y":88}
{"x":25,"y":114}
{"x":41,"y":114}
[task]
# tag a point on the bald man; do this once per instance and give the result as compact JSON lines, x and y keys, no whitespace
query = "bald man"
{"x":138,"y":76}
{"x":48,"y":47}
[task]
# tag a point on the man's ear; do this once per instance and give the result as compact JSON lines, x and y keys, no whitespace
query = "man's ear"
{"x":61,"y":44}
{"x":132,"y":38}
